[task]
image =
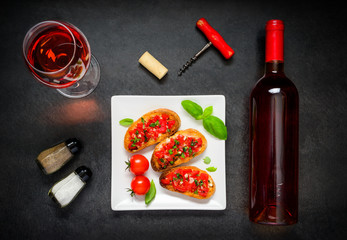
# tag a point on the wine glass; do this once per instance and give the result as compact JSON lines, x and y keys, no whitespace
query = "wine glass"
{"x":58,"y":55}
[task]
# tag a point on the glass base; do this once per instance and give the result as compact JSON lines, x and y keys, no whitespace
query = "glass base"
{"x":86,"y":85}
{"x":275,"y":215}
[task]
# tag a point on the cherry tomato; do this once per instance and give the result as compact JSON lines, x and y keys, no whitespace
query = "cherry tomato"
{"x":140,"y":185}
{"x":138,"y":164}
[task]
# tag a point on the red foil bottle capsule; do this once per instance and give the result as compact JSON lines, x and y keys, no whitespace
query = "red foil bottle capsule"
{"x":274,"y":40}
{"x":274,"y":133}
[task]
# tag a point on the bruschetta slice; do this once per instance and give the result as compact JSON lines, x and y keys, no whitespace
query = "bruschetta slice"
{"x":150,"y":129}
{"x":177,"y":149}
{"x":189,"y":180}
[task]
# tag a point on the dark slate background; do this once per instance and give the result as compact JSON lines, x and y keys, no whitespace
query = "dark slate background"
{"x":33,"y":116}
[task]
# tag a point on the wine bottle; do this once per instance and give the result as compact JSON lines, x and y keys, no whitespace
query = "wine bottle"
{"x":274,"y":115}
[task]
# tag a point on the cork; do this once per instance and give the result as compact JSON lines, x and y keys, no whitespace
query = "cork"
{"x":153,"y":65}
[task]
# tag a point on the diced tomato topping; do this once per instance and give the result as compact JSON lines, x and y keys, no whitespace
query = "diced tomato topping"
{"x":165,"y":116}
{"x":132,"y":147}
{"x":202,"y":192}
{"x":188,"y":180}
{"x":150,"y":129}
{"x":180,"y":185}
{"x":177,"y":148}
{"x":158,"y":154}
{"x":162,"y":129}
{"x":165,"y":181}
{"x":204,"y":176}
{"x":171,"y":123}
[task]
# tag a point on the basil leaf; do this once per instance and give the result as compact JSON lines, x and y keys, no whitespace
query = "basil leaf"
{"x":207,"y":112}
{"x":151,"y":193}
{"x":216,"y":127}
{"x":211,"y":169}
{"x":126,"y":122}
{"x":192,"y":108}
{"x":207,"y":160}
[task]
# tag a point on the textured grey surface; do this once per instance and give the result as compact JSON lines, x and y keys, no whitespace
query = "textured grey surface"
{"x":34,"y":117}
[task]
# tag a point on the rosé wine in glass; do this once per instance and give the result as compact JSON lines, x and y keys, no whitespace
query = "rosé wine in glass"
{"x":58,"y":55}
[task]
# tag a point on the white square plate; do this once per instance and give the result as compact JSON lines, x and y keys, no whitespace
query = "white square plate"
{"x":134,"y":107}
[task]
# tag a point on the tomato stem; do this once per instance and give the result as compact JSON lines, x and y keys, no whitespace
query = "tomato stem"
{"x":132,"y":193}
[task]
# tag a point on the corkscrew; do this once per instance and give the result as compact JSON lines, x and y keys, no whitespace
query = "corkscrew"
{"x":214,"y":38}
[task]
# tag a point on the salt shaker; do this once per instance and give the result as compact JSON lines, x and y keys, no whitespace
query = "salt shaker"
{"x":52,"y":159}
{"x":64,"y":191}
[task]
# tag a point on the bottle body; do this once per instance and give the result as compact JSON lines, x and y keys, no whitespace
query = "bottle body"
{"x":274,"y":151}
{"x":274,"y":136}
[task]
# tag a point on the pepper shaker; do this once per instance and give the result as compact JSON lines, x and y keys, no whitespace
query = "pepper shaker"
{"x":52,"y":159}
{"x":66,"y":190}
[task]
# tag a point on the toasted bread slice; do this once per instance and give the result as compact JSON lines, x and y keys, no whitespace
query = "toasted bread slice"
{"x":177,"y":149}
{"x":188,"y":180}
{"x":150,"y":129}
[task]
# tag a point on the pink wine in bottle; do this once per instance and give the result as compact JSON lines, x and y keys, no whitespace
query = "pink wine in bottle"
{"x":274,"y":133}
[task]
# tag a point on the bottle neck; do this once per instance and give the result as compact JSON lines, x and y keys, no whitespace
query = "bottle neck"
{"x":274,"y":67}
{"x":274,"y":47}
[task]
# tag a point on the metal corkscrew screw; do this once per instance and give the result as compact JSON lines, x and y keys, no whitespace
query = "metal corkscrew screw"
{"x":215,"y":38}
{"x":193,"y":59}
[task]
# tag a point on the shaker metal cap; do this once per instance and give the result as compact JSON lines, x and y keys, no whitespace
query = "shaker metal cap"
{"x":84,"y":173}
{"x":74,"y":145}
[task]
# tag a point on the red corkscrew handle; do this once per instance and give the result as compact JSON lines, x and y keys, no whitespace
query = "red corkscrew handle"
{"x":215,"y":38}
